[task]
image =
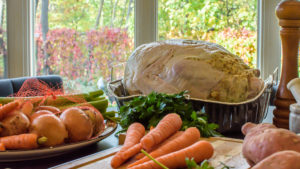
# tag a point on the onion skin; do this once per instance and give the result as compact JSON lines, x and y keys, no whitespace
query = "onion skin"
{"x":96,"y":118}
{"x":53,"y":109}
{"x":78,"y":124}
{"x":15,"y":123}
{"x":39,"y":113}
{"x":51,"y":127}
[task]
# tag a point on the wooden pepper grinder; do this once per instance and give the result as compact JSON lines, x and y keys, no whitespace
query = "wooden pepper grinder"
{"x":288,"y":13}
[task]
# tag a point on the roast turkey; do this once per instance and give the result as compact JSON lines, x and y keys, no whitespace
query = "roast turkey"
{"x":206,"y":70}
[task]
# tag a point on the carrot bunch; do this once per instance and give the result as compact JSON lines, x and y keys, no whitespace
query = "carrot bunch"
{"x":166,"y":143}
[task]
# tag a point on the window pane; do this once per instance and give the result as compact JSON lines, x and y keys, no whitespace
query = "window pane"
{"x":3,"y":40}
{"x":82,"y":40}
{"x":230,"y":23}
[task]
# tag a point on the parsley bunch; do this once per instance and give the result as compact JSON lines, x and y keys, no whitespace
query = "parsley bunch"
{"x":149,"y":110}
{"x":191,"y":164}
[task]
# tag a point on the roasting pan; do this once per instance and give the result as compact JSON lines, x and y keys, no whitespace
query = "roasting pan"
{"x":229,"y":116}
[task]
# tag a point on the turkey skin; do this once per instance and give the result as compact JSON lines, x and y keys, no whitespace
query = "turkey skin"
{"x":206,"y":70}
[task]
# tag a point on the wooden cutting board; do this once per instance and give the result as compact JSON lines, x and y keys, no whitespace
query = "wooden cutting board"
{"x":227,"y":151}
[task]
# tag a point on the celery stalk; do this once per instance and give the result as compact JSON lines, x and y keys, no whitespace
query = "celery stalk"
{"x":57,"y":100}
{"x":100,"y":105}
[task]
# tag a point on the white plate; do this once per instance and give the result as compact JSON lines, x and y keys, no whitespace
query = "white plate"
{"x":21,"y":155}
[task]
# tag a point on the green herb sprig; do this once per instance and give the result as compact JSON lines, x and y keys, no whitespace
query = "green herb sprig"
{"x":150,"y":109}
{"x":191,"y":164}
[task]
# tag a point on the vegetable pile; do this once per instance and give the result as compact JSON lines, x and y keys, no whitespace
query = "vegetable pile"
{"x":149,"y":110}
{"x":164,"y":146}
{"x":266,"y":145}
{"x":46,"y":121}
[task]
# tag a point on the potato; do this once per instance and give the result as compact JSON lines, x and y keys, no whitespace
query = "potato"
{"x":51,"y":127}
{"x":280,"y":160}
{"x":263,"y":140}
{"x":96,"y":118}
{"x":15,"y":123}
{"x":78,"y":124}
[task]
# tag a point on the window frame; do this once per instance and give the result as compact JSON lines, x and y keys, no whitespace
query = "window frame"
{"x":21,"y":41}
{"x":268,"y":38}
{"x":19,"y":38}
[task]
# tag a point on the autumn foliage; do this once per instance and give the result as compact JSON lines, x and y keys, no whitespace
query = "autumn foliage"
{"x":83,"y":57}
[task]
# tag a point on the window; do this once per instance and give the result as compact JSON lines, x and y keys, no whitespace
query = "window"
{"x":3,"y":40}
{"x":82,"y":40}
{"x":20,"y":28}
{"x":232,"y":24}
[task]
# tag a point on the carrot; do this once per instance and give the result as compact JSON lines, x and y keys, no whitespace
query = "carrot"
{"x":2,"y":147}
{"x":125,"y":155}
{"x":199,"y":151}
{"x":22,"y":141}
{"x":189,"y":137}
{"x":174,"y":136}
{"x":133,"y":136}
{"x":7,"y":108}
{"x":165,"y":128}
{"x":27,"y":108}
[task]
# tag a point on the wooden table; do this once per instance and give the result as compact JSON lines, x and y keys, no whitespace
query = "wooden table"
{"x":105,"y":144}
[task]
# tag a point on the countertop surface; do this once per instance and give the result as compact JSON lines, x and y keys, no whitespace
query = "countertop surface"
{"x":109,"y":142}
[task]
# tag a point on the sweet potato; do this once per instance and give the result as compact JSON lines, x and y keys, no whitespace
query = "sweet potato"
{"x":280,"y":160}
{"x":263,"y":140}
{"x":255,"y":128}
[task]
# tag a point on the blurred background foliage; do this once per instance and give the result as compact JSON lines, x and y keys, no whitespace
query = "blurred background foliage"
{"x":230,"y":23}
{"x":81,"y":40}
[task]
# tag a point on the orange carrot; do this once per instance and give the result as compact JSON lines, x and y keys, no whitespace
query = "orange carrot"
{"x":7,"y":108}
{"x":169,"y":139}
{"x":22,"y":141}
{"x":199,"y":151}
{"x":133,"y":136}
{"x":189,"y":137}
{"x":165,"y":128}
{"x":120,"y":158}
{"x":27,"y":108}
{"x":2,"y":147}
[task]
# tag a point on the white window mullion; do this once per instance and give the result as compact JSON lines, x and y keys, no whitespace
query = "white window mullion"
{"x":145,"y":21}
{"x":269,"y":45}
{"x":19,"y":31}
